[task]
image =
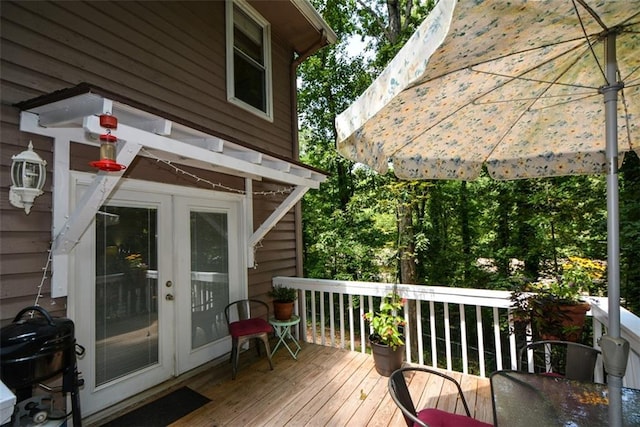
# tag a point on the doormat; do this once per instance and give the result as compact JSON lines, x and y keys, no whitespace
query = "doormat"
{"x":163,"y":411}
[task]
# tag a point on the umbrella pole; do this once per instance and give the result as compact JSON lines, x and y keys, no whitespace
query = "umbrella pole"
{"x":613,"y":346}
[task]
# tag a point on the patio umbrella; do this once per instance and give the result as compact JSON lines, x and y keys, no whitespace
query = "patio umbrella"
{"x":527,"y":88}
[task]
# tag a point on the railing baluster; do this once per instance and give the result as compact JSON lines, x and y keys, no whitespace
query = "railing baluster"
{"x":463,"y":339}
{"x":512,"y":343}
{"x":598,"y":374}
{"x":419,"y":332}
{"x":341,"y":302}
{"x":447,"y":336}
{"x":496,"y":338}
{"x":479,"y":331}
{"x":407,"y":332}
{"x":351,"y":325}
{"x":434,"y":341}
{"x":313,"y":316}
{"x":323,"y":338}
{"x":362,"y":326}
{"x":332,"y":324}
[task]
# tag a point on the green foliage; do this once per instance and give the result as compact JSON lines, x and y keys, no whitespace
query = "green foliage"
{"x":387,"y":322}
{"x":630,"y":233}
{"x":517,"y":228}
{"x":283,"y":294}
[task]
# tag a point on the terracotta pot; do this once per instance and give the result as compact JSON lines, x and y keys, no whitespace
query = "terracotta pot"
{"x":572,"y":318}
{"x":385,"y":358}
{"x":282,"y":310}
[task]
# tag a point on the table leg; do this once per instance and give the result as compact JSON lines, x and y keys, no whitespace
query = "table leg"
{"x":284,"y":332}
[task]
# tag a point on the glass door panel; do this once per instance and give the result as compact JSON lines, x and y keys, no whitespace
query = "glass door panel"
{"x":209,"y":277}
{"x":126,"y":292}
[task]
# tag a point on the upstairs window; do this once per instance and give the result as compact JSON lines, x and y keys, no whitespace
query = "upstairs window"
{"x":248,"y":59}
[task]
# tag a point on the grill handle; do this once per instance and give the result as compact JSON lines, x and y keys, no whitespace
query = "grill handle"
{"x":39,"y":309}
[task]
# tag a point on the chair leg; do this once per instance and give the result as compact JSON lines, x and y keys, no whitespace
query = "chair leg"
{"x":234,"y":358}
{"x":265,"y":340}
{"x":257,"y":347}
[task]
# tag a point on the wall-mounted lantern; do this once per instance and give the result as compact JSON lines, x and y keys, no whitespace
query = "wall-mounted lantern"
{"x":28,"y":174}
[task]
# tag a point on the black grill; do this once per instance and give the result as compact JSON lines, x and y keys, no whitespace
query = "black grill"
{"x":35,"y":348}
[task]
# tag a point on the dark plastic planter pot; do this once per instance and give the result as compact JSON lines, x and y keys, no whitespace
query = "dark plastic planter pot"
{"x":385,"y":358}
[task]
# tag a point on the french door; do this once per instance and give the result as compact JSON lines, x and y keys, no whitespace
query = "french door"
{"x":153,"y":274}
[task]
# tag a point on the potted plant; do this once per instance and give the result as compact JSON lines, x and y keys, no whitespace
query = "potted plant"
{"x":283,"y":300}
{"x":556,"y":309}
{"x":137,"y":269}
{"x":387,"y":340}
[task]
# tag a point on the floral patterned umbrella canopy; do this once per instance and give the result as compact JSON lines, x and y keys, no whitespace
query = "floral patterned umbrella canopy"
{"x":513,"y":85}
{"x":527,"y":88}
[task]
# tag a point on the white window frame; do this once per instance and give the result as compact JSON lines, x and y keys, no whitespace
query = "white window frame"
{"x":266,"y":43}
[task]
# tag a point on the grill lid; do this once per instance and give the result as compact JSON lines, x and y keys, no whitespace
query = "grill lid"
{"x":32,"y":337}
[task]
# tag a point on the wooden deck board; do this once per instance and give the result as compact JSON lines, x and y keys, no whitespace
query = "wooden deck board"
{"x":324,"y":387}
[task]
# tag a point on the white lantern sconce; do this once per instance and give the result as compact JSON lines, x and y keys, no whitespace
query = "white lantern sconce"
{"x":28,"y":174}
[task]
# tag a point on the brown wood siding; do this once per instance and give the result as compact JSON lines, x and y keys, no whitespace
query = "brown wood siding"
{"x":168,"y":55}
{"x":276,"y":254}
{"x":24,"y":239}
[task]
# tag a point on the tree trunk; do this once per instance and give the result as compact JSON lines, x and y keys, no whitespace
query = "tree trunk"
{"x":465,"y":231}
{"x":408,"y":271}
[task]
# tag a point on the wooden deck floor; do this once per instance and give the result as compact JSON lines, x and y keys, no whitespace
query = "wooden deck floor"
{"x":324,"y":387}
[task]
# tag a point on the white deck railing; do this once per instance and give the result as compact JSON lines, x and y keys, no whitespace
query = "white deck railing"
{"x":453,"y":331}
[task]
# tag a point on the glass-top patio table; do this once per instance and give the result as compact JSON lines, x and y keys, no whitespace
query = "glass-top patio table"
{"x":523,"y":399}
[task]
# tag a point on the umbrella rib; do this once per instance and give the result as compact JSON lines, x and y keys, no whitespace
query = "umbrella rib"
{"x":584,"y":31}
{"x":554,"y":82}
{"x":573,"y":99}
{"x":626,"y":117}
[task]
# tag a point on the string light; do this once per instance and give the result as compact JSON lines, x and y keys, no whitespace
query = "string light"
{"x":213,"y":185}
{"x":44,"y":277}
{"x":177,"y":170}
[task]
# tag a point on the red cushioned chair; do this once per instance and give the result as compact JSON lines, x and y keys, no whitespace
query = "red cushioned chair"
{"x":428,"y":417}
{"x":243,"y":328}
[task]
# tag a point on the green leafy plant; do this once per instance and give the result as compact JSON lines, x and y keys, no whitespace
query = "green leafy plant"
{"x":540,"y":303}
{"x":283,"y":294}
{"x":580,"y":277}
{"x":387,"y":322}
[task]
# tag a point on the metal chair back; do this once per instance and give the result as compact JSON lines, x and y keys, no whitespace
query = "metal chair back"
{"x":563,"y":358}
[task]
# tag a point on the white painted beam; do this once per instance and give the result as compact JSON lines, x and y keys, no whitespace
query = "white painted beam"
{"x":162,"y":143}
{"x":277,"y":215}
{"x":141,"y":119}
{"x":248,"y":221}
{"x":70,"y":110}
{"x":211,"y":144}
{"x":247,"y":156}
{"x":61,"y":196}
{"x":277,"y":165}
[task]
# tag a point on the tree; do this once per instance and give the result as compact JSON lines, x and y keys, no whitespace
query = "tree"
{"x":483,"y":234}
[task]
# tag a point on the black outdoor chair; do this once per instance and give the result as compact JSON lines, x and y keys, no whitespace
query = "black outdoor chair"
{"x":565,"y":359}
{"x":400,"y":394}
{"x":243,"y":328}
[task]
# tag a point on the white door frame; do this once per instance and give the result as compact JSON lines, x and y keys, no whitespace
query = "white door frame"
{"x":81,"y":299}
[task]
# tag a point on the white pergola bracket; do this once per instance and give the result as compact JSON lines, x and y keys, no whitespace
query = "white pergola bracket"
{"x":92,"y":199}
{"x":288,"y":203}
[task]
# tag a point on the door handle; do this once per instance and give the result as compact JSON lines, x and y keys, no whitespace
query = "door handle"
{"x":169,"y":297}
